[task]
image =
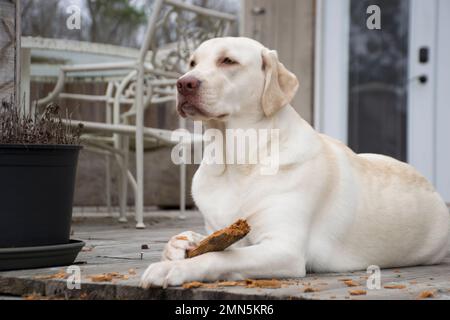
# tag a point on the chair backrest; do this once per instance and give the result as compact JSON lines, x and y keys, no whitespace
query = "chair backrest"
{"x":179,"y":27}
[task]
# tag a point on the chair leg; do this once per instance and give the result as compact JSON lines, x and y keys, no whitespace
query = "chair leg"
{"x":108,"y":183}
{"x":119,"y":161}
{"x":140,"y":149}
{"x":140,"y":189}
{"x":182,"y":124}
{"x":123,"y":187}
{"x":182,"y":191}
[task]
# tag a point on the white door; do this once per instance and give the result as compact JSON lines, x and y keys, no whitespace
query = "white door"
{"x":387,"y":90}
{"x":429,"y":92}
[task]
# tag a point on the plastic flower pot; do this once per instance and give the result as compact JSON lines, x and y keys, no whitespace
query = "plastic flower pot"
{"x":36,"y":194}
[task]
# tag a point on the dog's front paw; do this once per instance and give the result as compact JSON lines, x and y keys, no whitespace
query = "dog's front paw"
{"x":177,"y":246}
{"x":164,"y":274}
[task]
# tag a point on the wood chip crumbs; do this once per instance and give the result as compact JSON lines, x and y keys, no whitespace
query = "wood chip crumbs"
{"x":194,"y":284}
{"x":394,"y":286}
{"x":248,"y":283}
{"x":182,"y":238}
{"x":351,"y":283}
{"x":108,"y":277}
{"x":271,"y":284}
{"x":37,"y":296}
{"x":357,"y":292}
{"x":310,"y":289}
{"x":426,"y":294}
{"x":221,"y":239}
{"x":60,"y":275}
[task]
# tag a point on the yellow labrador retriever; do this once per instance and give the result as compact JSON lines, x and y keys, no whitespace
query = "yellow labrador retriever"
{"x":326,"y":210}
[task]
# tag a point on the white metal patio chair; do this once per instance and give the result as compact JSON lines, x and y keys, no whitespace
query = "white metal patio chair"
{"x":144,"y":84}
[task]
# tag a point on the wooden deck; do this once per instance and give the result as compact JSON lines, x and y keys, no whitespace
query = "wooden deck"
{"x":114,"y":247}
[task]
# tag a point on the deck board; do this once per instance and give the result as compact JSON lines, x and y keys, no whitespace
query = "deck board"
{"x":117,"y":248}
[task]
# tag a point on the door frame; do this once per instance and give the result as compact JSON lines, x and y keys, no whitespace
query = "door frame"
{"x":421,"y":97}
{"x":331,"y":68}
{"x":428,"y":133}
{"x":442,"y":101}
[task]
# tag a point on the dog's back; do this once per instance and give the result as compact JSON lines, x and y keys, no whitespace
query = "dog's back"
{"x":393,"y":216}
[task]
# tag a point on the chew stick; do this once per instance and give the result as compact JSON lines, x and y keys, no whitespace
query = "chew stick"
{"x":221,"y":239}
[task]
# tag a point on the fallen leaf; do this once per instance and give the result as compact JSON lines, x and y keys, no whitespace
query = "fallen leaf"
{"x":108,"y":277}
{"x":394,"y":286}
{"x":357,"y":292}
{"x":426,"y":294}
{"x":351,"y":283}
{"x":60,"y":275}
{"x":100,"y":278}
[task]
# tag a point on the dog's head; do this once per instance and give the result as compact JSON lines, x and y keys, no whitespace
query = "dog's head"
{"x":231,"y":77}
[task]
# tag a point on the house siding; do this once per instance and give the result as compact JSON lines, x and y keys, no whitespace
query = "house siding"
{"x":287,"y":26}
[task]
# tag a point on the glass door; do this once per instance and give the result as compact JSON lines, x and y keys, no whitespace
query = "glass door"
{"x":378,"y":78}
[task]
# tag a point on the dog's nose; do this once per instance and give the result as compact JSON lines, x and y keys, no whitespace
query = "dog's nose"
{"x":188,"y":85}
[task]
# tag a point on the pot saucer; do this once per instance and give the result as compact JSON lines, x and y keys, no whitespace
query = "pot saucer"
{"x":39,"y":256}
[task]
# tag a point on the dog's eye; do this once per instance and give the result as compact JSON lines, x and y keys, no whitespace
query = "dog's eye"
{"x":192,"y":63}
{"x":228,"y":61}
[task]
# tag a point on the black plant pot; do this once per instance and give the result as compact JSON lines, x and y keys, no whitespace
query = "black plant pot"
{"x":36,"y":194}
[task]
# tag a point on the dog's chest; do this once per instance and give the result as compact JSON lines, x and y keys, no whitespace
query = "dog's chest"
{"x":218,"y":198}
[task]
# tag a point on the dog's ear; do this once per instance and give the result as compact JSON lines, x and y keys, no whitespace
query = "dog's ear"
{"x":280,"y":84}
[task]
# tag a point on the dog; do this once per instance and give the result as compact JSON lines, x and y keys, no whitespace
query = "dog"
{"x":327,"y":209}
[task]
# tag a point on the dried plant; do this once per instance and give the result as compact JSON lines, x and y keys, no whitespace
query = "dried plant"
{"x":16,"y":127}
